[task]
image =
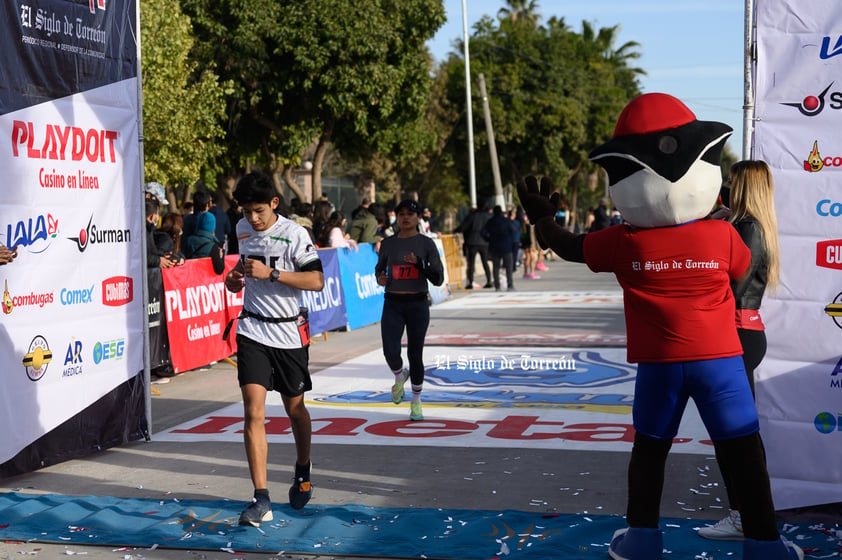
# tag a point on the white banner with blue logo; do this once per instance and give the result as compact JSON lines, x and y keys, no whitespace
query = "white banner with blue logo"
{"x":798,"y":90}
{"x":71,"y":335}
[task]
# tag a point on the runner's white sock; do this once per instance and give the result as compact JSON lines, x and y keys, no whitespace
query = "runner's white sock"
{"x":398,"y":375}
{"x":416,"y":393}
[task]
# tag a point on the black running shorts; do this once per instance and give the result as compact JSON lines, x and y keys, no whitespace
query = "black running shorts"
{"x":278,"y":369}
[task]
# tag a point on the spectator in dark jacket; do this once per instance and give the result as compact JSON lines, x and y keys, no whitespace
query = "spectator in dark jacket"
{"x":601,"y":219}
{"x":364,"y":224}
{"x":203,"y":240}
{"x":154,"y":256}
{"x":471,"y":230}
{"x":498,"y":233}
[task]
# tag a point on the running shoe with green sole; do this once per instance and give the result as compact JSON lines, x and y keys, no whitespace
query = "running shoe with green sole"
{"x":397,"y":388}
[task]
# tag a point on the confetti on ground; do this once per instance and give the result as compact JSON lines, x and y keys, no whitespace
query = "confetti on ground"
{"x":356,"y":530}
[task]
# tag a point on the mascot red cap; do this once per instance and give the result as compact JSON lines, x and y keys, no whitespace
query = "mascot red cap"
{"x":662,"y":163}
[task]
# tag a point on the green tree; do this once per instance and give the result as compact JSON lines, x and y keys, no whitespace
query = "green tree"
{"x":520,"y":11}
{"x":344,"y":73}
{"x":554,"y":94}
{"x":182,"y":103}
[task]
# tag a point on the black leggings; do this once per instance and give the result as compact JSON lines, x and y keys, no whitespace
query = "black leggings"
{"x":410,"y":312}
{"x":754,"y":348}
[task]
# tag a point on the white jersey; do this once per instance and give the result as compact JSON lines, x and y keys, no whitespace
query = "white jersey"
{"x":285,"y":246}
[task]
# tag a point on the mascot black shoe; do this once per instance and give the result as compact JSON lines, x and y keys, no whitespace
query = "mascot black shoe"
{"x":675,"y":266}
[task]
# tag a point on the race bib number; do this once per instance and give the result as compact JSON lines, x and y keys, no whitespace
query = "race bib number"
{"x":404,"y":272}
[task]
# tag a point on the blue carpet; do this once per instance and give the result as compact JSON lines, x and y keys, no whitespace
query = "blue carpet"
{"x":353,"y":530}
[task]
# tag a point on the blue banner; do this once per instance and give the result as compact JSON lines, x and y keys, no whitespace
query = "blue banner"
{"x":327,"y":307}
{"x":363,"y":295}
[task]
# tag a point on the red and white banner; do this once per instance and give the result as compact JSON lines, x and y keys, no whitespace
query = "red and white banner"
{"x":798,"y":90}
{"x":198,"y":310}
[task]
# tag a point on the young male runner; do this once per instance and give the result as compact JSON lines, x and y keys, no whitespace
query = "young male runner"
{"x":277,"y":261}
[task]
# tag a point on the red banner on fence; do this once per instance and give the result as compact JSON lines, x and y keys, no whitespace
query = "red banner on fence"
{"x":198,"y":310}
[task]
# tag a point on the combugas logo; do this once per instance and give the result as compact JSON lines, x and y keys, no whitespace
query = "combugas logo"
{"x":815,"y":162}
{"x":31,"y":299}
{"x":812,"y":105}
{"x":37,"y":358}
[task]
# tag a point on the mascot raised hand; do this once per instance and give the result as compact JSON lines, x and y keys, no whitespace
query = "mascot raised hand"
{"x":675,"y":266}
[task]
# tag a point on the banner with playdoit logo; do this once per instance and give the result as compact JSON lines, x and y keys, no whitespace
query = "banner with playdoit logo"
{"x":72,"y":330}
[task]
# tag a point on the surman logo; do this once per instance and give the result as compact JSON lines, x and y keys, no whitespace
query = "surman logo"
{"x":812,"y":105}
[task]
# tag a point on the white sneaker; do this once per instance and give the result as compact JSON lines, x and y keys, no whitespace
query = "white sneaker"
{"x":728,"y":529}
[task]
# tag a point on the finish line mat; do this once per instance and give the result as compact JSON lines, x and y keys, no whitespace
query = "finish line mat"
{"x":353,"y":530}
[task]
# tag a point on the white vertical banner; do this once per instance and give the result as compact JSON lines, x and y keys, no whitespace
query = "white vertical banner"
{"x":71,"y":320}
{"x":798,"y":132}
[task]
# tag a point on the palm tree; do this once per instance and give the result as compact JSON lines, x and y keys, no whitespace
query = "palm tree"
{"x":525,"y":11}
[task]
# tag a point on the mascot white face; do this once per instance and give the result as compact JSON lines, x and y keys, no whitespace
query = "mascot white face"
{"x":662,"y":163}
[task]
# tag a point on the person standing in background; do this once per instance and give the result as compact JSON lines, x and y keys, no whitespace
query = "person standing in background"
{"x":201,"y":203}
{"x":471,"y":230}
{"x":751,"y":202}
{"x":498,"y":233}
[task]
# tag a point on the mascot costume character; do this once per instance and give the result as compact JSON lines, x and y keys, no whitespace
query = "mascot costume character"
{"x":675,"y":267}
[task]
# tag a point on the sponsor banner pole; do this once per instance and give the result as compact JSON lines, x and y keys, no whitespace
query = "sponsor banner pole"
{"x":748,"y":90}
{"x":797,"y":102}
{"x":147,"y":376}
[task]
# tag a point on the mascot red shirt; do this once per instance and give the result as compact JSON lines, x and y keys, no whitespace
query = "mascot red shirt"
{"x":678,"y":301}
{"x":675,"y":266}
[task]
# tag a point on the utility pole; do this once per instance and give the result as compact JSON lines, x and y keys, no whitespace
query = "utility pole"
{"x":472,"y":179}
{"x":499,"y":199}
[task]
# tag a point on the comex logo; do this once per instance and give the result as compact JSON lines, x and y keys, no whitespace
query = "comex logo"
{"x":812,"y":105}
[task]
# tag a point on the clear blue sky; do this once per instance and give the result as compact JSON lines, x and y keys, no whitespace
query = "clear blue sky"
{"x":690,"y":49}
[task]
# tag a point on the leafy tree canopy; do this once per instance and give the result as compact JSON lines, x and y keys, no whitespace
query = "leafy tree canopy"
{"x":182,"y":102}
